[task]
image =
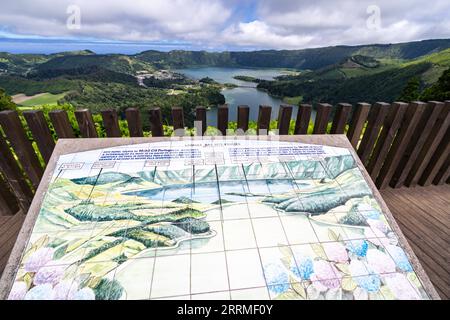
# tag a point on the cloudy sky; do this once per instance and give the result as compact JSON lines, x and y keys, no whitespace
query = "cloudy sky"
{"x":222,"y":24}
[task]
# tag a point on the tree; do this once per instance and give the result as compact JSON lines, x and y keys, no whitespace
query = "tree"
{"x":411,"y":91}
{"x":440,"y":90}
{"x":6,"y":102}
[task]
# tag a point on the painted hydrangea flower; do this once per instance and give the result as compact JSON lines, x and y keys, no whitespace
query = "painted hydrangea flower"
{"x":38,"y":259}
{"x":358,"y":247}
{"x":357,"y":268}
{"x":84,"y":294}
{"x":325,"y":276}
{"x":335,"y":251}
{"x":400,"y":287}
{"x":50,"y":274}
{"x":379,"y":262}
{"x":65,"y":290}
{"x":368,"y":211}
{"x":370,"y":283}
{"x":379,"y":227}
{"x":276,"y":277}
{"x":302,"y":267}
{"x":400,"y":258}
{"x":18,"y":291}
{"x":40,"y":292}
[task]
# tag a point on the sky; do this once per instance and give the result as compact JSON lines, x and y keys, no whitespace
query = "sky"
{"x":129,"y":26}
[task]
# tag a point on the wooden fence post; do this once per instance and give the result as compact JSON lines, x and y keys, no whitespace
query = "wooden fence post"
{"x":111,"y":123}
{"x":133,"y":117}
{"x":177,"y":118}
{"x":418,"y":138}
{"x":340,"y":118}
{"x":14,"y":176}
{"x":264,"y":119}
{"x":61,"y":123}
{"x":435,"y":137}
{"x":15,"y":133}
{"x":41,"y":133}
{"x":243,"y":115}
{"x":375,"y":120}
{"x":303,"y":118}
{"x":391,"y":125}
{"x":200,"y":116}
{"x":284,"y":119}
{"x":86,"y":123}
{"x":222,"y":119}
{"x":8,"y":202}
{"x":409,"y":124}
{"x":322,"y":115}
{"x":357,"y":122}
{"x":156,"y":125}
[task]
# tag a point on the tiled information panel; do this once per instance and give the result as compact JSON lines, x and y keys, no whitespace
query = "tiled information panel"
{"x":212,"y":219}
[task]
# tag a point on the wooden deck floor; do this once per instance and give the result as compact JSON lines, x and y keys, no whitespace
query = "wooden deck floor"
{"x":422,"y":213}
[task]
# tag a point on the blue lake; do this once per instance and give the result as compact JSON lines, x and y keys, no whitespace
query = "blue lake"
{"x":245,"y":94}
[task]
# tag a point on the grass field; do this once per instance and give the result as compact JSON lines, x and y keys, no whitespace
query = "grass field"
{"x":40,"y":99}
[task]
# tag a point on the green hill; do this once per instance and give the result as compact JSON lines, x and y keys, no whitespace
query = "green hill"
{"x":353,"y":81}
{"x":313,"y":59}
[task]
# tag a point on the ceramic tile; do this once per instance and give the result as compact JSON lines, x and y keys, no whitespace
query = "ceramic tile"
{"x":298,"y":229}
{"x":171,"y":276}
{"x":244,"y":269}
{"x":250,"y":294}
{"x":213,"y":243}
{"x":208,"y":272}
{"x":238,"y":234}
{"x":269,"y":226}
{"x":223,"y":295}
{"x":128,"y":273}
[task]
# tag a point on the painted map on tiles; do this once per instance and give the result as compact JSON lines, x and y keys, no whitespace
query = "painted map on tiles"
{"x":213,"y":219}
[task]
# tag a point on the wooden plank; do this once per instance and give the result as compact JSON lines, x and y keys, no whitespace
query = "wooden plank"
{"x":303,"y":118}
{"x":156,"y":125}
{"x":357,"y":122}
{"x":8,"y":202}
{"x":432,"y":111}
{"x":412,"y":117}
{"x":437,"y":161}
{"x":41,"y":133}
{"x":264,"y":120}
{"x":14,"y":176}
{"x":284,"y":119}
{"x":200,"y":117}
{"x":387,"y":135}
{"x":375,"y":120}
{"x":322,"y":115}
{"x":177,"y":118}
{"x":134,"y":122}
{"x":429,"y":147}
{"x":340,"y":118}
{"x":86,"y":123}
{"x":222,"y":119}
{"x":61,"y":123}
{"x":443,"y":174}
{"x":15,"y":133}
{"x":243,"y":116}
{"x":111,"y":123}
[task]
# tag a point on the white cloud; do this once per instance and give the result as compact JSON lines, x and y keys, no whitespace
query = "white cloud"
{"x":222,"y":24}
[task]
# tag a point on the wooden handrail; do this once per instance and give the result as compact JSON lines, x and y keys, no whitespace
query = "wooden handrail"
{"x":400,"y":144}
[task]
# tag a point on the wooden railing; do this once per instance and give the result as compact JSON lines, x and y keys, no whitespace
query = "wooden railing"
{"x":400,"y":144}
